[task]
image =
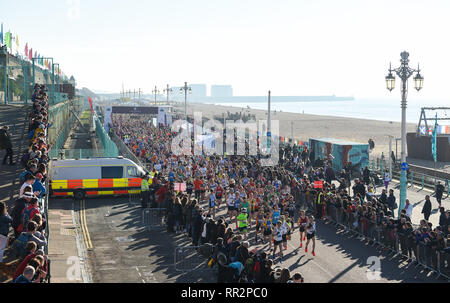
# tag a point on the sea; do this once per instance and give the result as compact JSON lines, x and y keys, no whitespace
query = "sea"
{"x":361,"y":108}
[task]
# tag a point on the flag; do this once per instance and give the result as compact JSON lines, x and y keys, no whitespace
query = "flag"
{"x":8,"y":39}
{"x":1,"y":35}
{"x":35,"y":54}
{"x":17,"y":43}
{"x":422,"y":130}
{"x":26,"y":50}
{"x":434,"y":140}
{"x":30,"y":55}
{"x":443,"y":129}
{"x":90,"y":103}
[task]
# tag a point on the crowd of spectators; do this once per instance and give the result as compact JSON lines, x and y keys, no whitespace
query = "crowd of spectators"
{"x":28,"y":240}
{"x":258,"y":198}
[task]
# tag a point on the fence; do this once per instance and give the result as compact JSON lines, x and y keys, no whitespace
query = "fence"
{"x":190,"y":258}
{"x":376,"y":230}
{"x":109,"y":147}
{"x":63,"y":116}
{"x":154,"y":218}
{"x":16,"y":80}
{"x":415,"y":179}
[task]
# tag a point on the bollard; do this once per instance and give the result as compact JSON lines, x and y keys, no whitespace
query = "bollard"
{"x":423,"y":181}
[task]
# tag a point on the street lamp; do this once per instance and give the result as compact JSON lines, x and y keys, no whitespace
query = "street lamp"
{"x":155,"y":91}
{"x":167,"y":91}
{"x":186,"y":89}
{"x":404,"y":72}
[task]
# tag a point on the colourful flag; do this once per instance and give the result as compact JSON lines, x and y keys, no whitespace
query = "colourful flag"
{"x":8,"y":39}
{"x":1,"y":35}
{"x":26,"y":50}
{"x":17,"y":43}
{"x":35,"y":54}
{"x":434,"y":140}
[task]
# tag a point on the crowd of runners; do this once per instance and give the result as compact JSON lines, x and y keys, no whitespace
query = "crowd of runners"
{"x":23,"y":226}
{"x":234,"y":203}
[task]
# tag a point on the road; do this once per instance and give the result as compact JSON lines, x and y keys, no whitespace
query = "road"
{"x":123,"y":251}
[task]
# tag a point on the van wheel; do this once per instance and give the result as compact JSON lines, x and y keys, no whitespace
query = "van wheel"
{"x":79,"y":194}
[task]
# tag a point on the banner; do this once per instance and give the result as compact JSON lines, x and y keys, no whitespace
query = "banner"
{"x":1,"y":35}
{"x":162,"y":116}
{"x":90,"y":103}
{"x":180,"y":187}
{"x":318,"y":184}
{"x":434,"y":140}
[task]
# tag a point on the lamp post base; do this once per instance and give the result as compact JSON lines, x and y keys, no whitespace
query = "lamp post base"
{"x":403,"y":183}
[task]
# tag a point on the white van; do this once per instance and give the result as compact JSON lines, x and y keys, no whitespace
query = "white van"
{"x":95,"y":176}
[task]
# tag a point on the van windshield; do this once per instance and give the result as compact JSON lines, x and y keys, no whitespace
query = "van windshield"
{"x":133,"y":172}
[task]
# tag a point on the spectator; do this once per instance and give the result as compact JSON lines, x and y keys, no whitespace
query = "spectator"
{"x":5,"y":143}
{"x":27,"y":275}
{"x":439,"y":192}
{"x":391,"y":202}
{"x":408,"y":208}
{"x":426,"y":210}
{"x":5,"y":222}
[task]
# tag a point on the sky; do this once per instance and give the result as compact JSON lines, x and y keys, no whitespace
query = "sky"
{"x":291,"y":47}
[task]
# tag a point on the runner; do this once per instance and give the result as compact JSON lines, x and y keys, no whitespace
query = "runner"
{"x":302,"y":222}
{"x":268,"y":230}
{"x":278,"y":240}
{"x":219,"y":194}
{"x":230,"y":204}
{"x":242,"y":221}
{"x":289,"y":224}
{"x":212,"y":204}
{"x":311,"y":234}
{"x":259,"y":223}
{"x":275,"y":215}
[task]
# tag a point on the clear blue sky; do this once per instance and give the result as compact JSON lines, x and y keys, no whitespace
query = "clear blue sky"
{"x":292,"y":47}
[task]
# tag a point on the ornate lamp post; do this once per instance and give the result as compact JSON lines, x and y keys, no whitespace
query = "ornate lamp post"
{"x":155,"y":92}
{"x":186,"y":89}
{"x":404,"y":72}
{"x":167,"y":91}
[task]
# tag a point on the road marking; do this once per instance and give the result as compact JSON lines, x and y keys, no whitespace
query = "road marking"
{"x":85,"y":230}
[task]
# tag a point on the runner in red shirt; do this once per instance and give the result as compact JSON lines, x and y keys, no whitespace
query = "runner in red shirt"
{"x":197,"y":188}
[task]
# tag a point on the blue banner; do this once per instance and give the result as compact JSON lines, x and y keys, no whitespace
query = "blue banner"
{"x":434,"y":140}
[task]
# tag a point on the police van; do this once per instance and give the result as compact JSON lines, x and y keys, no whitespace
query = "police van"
{"x":94,"y":177}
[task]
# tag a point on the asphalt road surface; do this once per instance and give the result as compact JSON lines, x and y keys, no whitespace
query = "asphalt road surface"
{"x":121,"y":250}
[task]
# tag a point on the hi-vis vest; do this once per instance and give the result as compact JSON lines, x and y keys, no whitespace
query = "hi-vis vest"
{"x":319,"y":198}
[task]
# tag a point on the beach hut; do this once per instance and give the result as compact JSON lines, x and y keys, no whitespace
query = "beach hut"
{"x":340,"y":152}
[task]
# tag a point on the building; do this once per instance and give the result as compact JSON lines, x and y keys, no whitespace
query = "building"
{"x":221,"y":91}
{"x":198,"y":90}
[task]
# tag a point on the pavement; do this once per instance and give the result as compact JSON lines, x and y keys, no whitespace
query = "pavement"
{"x":18,"y":127}
{"x":416,"y":197}
{"x":66,"y":244}
{"x":15,"y":116}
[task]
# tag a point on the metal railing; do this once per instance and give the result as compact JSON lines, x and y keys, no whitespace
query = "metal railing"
{"x":154,"y":218}
{"x":415,"y":179}
{"x":109,"y":147}
{"x":394,"y":242}
{"x":190,"y":258}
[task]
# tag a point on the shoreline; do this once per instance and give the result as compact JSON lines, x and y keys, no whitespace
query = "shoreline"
{"x":309,"y":126}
